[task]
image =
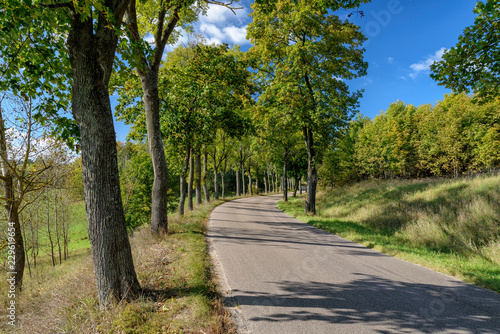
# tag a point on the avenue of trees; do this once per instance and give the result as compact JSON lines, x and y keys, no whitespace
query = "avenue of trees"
{"x":206,"y":120}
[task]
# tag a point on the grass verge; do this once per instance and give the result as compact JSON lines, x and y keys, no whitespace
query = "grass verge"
{"x":174,"y":272}
{"x":451,"y":226}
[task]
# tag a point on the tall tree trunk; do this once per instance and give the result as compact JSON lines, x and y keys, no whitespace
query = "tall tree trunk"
{"x":15,"y":241}
{"x":300,"y":185}
{"x":182,"y":194}
{"x":312,"y":174}
{"x":205,"y":173}
{"x":190,"y":184}
{"x":216,"y":175}
{"x":238,"y":182}
{"x":159,"y":199}
{"x":49,"y":231}
{"x":265,"y":183}
{"x":268,"y":183}
{"x":91,"y":56}
{"x":276,"y":176}
{"x":16,"y":269}
{"x":243,"y":178}
{"x":296,"y":187}
{"x":250,"y":191}
{"x":148,"y":69}
{"x":249,"y":178}
{"x":256,"y":182}
{"x":198,"y":178}
{"x":223,"y":184}
{"x":285,"y":178}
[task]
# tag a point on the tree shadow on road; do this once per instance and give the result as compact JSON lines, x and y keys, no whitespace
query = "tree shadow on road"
{"x":384,"y":306}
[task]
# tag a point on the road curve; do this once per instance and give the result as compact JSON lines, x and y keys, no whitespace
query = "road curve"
{"x":279,"y":275}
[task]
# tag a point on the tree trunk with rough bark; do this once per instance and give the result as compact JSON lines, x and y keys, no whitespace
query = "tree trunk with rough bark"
{"x":159,"y":200}
{"x":91,"y":56}
{"x":285,"y":178}
{"x":205,"y":173}
{"x":198,"y":178}
{"x":182,"y":180}
{"x":216,"y":176}
{"x":15,"y":241}
{"x":265,"y":183}
{"x":312,"y":174}
{"x":238,"y":193}
{"x":148,"y":69}
{"x":190,"y":184}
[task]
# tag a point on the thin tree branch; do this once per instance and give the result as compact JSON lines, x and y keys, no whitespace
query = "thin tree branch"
{"x":227,"y":5}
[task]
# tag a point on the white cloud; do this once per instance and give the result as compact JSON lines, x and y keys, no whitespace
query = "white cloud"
{"x":220,"y":14}
{"x":237,"y":35}
{"x":212,"y":31}
{"x":390,"y":60}
{"x":424,"y":65}
{"x":231,"y":34}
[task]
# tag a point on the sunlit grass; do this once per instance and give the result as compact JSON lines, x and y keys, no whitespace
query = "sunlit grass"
{"x":452,"y":226}
{"x":179,"y":295}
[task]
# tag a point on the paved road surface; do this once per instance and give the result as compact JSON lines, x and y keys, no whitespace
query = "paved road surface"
{"x":284,"y":276}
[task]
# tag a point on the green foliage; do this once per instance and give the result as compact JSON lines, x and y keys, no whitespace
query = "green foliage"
{"x":296,"y":69}
{"x":74,"y":181}
{"x":454,"y":137}
{"x":31,"y":37}
{"x":474,"y":63}
{"x":136,"y":182}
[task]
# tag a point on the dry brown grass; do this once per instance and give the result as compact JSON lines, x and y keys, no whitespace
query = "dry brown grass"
{"x":179,"y":295}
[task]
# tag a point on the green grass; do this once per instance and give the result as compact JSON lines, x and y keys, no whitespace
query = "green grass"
{"x":452,"y":226}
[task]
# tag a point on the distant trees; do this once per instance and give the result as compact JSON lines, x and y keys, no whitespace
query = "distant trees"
{"x":454,"y":137}
{"x":303,"y":54}
{"x":474,"y":63}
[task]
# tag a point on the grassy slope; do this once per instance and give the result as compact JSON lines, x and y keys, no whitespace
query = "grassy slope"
{"x":174,"y":271}
{"x":452,"y":226}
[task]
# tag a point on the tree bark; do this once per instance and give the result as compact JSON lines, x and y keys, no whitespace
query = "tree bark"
{"x":243,"y":179}
{"x":91,"y":56}
{"x":312,"y":174}
{"x":190,"y":184}
{"x":238,"y":193}
{"x":198,"y":178}
{"x":15,"y":241}
{"x":205,"y":173}
{"x":216,"y":175}
{"x":296,"y":187}
{"x":182,"y":190}
{"x":265,"y":183}
{"x":159,"y":200}
{"x":148,"y":71}
{"x":285,"y":178}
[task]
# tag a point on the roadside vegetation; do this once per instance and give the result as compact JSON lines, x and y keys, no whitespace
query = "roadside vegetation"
{"x":448,"y":225}
{"x":179,"y":295}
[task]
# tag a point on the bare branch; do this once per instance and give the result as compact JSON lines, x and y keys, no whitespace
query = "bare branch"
{"x":223,"y":4}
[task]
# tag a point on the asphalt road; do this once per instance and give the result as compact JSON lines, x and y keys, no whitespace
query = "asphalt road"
{"x":279,"y":275}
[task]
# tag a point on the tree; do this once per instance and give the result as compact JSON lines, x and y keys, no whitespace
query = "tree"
{"x":474,"y":63}
{"x":307,"y":53}
{"x":24,"y":169}
{"x":88,"y":33}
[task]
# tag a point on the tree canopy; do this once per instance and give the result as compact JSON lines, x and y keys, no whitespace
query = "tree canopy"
{"x":473,"y":64}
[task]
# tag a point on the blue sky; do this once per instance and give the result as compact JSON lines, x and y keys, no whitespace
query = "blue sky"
{"x":404,"y":38}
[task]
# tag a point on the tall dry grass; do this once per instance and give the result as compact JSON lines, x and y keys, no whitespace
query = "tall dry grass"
{"x":457,"y":215}
{"x":179,"y":295}
{"x":449,"y":225}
